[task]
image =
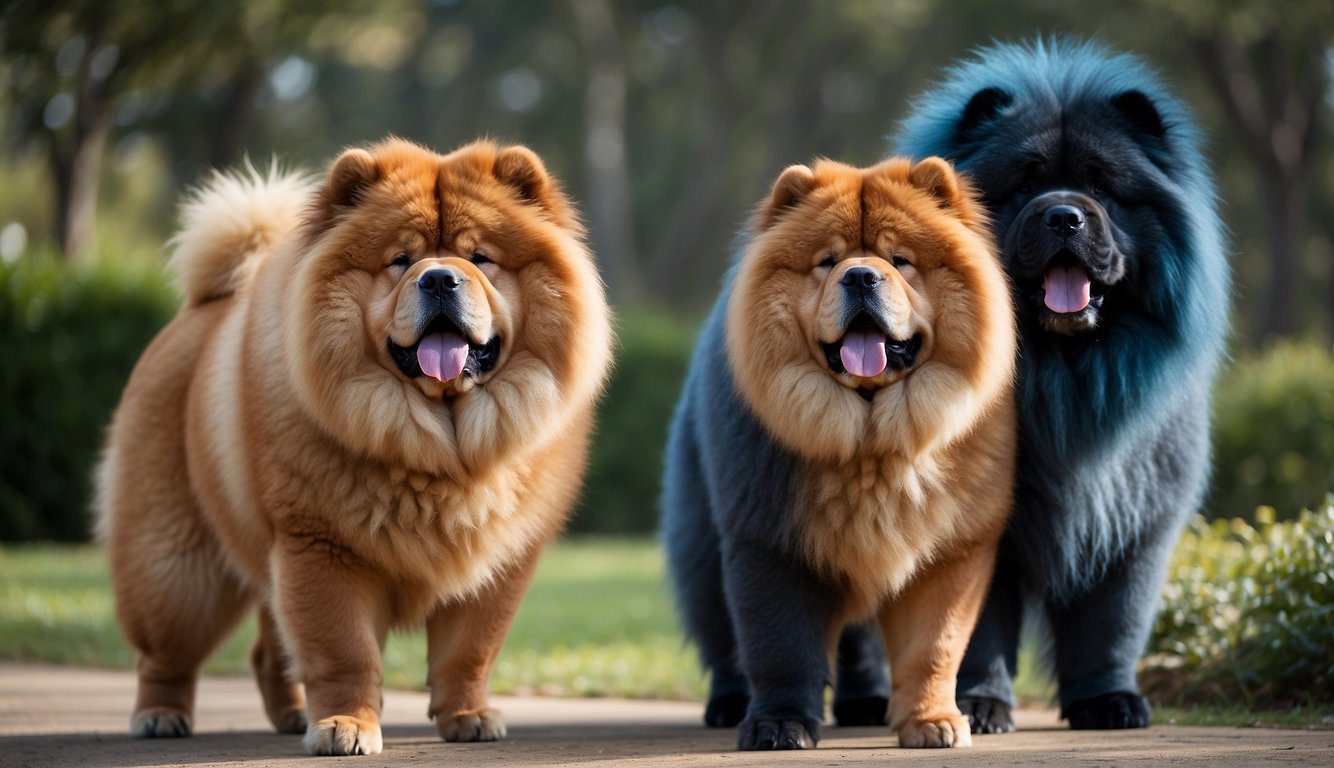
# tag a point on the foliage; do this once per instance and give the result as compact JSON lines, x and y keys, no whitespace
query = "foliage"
{"x":69,"y":337}
{"x":597,"y":621}
{"x":1274,"y":431}
{"x":1248,"y":614}
{"x":714,"y":99}
{"x":621,"y":494}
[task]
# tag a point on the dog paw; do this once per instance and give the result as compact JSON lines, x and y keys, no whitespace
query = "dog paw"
{"x":1109,"y":711}
{"x":343,"y":735}
{"x":726,"y":711}
{"x":986,"y":715}
{"x":160,"y":723}
{"x":482,"y":725}
{"x":775,"y":733}
{"x":289,"y":721}
{"x":936,"y":733}
{"x":871,"y":710}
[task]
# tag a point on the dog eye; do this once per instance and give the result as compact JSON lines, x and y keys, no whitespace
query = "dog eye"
{"x":829,"y":262}
{"x":478,"y":257}
{"x":1096,"y":183}
{"x":899,"y":261}
{"x":1027,"y":179}
{"x":402,"y":260}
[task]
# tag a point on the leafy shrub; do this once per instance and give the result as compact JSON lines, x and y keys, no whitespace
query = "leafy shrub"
{"x":621,"y":491}
{"x":1274,"y":431}
{"x":1248,"y":613}
{"x":69,"y":337}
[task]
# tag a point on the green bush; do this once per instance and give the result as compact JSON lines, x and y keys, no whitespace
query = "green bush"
{"x":1248,"y":614}
{"x":69,"y":337}
{"x":621,"y":491}
{"x":1274,"y":431}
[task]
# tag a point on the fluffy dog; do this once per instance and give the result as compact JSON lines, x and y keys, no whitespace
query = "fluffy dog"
{"x":1109,"y":231}
{"x":371,"y":411}
{"x":844,"y":448}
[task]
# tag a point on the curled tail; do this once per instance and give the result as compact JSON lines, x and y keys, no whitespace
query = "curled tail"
{"x":230,"y":225}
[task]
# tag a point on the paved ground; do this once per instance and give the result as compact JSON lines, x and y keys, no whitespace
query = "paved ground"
{"x":58,"y":716}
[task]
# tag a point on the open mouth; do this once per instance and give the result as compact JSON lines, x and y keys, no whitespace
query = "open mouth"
{"x":866,"y":350}
{"x":444,"y":353}
{"x":1067,"y":289}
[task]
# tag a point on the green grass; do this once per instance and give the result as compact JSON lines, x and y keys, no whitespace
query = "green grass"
{"x":1321,"y":716}
{"x":598,"y":621}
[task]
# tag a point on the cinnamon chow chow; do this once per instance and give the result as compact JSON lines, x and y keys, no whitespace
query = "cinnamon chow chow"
{"x":843,"y":455}
{"x":371,"y":411}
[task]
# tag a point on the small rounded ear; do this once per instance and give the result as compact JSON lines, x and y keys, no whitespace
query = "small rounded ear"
{"x":520,"y":169}
{"x":352,"y":173}
{"x":937,"y":178}
{"x":981,"y":109}
{"x":1138,"y":110}
{"x":793,"y":184}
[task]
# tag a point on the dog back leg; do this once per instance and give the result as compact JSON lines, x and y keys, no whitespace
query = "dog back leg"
{"x":986,"y":678}
{"x":861,"y":691}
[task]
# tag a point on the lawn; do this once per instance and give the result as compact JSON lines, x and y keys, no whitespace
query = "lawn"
{"x":597,"y":621}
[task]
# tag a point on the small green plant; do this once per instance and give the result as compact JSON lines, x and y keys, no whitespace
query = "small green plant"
{"x":1248,"y":614}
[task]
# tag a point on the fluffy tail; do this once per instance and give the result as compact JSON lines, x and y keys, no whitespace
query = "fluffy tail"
{"x":230,"y":225}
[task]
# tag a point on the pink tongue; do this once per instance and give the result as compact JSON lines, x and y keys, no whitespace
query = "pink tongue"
{"x":863,"y":353}
{"x":442,"y":355}
{"x":1065,"y":289}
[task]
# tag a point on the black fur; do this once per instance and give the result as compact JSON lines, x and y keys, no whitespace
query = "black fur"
{"x":777,"y":613}
{"x":1114,"y":401}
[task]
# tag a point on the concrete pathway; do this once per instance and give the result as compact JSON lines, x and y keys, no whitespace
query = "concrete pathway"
{"x":76,"y":717}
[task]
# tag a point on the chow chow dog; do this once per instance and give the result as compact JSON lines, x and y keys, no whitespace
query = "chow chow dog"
{"x":844,"y":449}
{"x":371,"y":411}
{"x":1108,"y":227}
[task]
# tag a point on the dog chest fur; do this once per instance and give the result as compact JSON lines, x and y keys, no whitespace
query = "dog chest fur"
{"x":860,"y":523}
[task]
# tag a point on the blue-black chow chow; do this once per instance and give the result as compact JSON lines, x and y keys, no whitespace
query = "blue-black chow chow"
{"x":1109,"y":230}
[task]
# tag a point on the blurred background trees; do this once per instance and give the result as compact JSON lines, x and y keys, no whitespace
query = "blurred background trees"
{"x":666,"y":120}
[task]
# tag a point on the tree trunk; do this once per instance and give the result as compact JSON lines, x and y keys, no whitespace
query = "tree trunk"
{"x":237,"y":110}
{"x":611,"y":219}
{"x":685,"y":243}
{"x":77,"y":160}
{"x":1284,"y":217}
{"x":1277,"y":119}
{"x":688,"y":259}
{"x":76,"y":193}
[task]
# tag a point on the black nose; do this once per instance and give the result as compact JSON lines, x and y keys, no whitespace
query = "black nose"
{"x":439,"y":282}
{"x":861,"y":279}
{"x":1064,"y":220}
